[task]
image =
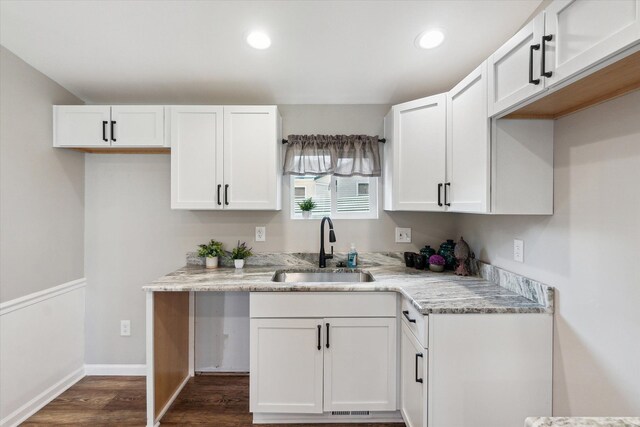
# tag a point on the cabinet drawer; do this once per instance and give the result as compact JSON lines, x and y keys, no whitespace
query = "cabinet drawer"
{"x":322,"y":304}
{"x":416,"y":322}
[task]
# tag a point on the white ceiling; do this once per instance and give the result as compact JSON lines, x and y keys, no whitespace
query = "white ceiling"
{"x":322,"y":52}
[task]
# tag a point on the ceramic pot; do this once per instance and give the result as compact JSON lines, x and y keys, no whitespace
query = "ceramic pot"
{"x":436,"y":268}
{"x":446,"y":252}
{"x":420,"y":261}
{"x":211,"y":262}
{"x":409,"y":259}
{"x":239,"y":263}
{"x":306,"y":214}
{"x":427,"y":251}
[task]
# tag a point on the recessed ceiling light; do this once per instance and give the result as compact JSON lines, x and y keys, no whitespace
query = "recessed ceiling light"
{"x":258,"y":40}
{"x":429,"y":39}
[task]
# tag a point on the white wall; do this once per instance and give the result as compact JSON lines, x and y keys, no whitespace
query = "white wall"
{"x":41,"y":188}
{"x":132,"y":236}
{"x":589,"y":250}
{"x":41,"y":245}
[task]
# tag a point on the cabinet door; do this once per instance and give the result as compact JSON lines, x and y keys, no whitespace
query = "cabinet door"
{"x":81,"y":125}
{"x":586,"y":32}
{"x":360,"y":364}
{"x":468,"y":145}
{"x":413,"y":380}
{"x":196,"y":157}
{"x":286,"y":366}
{"x":252,"y":173}
{"x":419,"y":141}
{"x":509,"y":68}
{"x":137,"y":126}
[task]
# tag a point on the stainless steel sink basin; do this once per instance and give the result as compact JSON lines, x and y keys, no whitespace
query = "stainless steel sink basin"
{"x":322,"y":276}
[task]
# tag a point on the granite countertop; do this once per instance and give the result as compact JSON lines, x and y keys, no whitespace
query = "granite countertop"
{"x":582,"y":422}
{"x":497,"y":291}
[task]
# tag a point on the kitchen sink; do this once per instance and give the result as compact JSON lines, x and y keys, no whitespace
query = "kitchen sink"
{"x":288,"y":276}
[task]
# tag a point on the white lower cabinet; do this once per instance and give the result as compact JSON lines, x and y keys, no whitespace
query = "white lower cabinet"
{"x":413,"y":379}
{"x":326,"y":364}
{"x":360,"y":364}
{"x":286,"y":365}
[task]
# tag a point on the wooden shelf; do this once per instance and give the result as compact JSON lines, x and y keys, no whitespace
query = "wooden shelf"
{"x":609,"y":82}
{"x":141,"y":150}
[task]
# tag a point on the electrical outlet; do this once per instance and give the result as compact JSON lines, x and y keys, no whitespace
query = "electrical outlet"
{"x":261,"y":234}
{"x":518,"y":250}
{"x":403,"y":235}
{"x":125,"y":328}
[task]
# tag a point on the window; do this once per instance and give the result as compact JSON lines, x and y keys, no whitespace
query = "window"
{"x":337,"y":197}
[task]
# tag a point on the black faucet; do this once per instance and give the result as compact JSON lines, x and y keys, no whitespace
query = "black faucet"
{"x":332,"y":239}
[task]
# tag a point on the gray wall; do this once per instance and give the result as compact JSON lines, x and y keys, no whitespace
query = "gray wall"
{"x":41,"y":188}
{"x":589,"y":250}
{"x":132,"y":236}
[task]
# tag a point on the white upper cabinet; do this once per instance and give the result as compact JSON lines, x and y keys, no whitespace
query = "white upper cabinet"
{"x":514,"y":69}
{"x":225,"y":157}
{"x":467,"y":187}
{"x":582,"y":33}
{"x":137,"y":126}
{"x":196,"y":157}
{"x":81,"y":126}
{"x":94,"y":126}
{"x":415,"y":151}
{"x":252,"y":157}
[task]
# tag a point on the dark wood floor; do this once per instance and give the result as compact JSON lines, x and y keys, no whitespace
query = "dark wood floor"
{"x":207,"y":400}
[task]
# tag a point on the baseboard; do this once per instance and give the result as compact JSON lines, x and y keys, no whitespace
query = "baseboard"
{"x":327,"y":418}
{"x":38,"y":402}
{"x":129,"y":370}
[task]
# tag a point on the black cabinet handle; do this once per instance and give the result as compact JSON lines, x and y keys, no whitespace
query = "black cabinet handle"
{"x":104,"y":131}
{"x":544,"y":56}
{"x":319,"y":338}
{"x":439,"y":191}
{"x":446,"y":194}
{"x":406,"y":315}
{"x":226,"y":194}
{"x":418,"y":355}
{"x":219,"y":187}
{"x":113,"y":124}
{"x":327,"y":335}
{"x":531,"y":49}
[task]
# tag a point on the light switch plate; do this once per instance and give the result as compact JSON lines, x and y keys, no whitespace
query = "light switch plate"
{"x":125,"y":328}
{"x":518,"y":250}
{"x":261,"y":234}
{"x":403,"y":235}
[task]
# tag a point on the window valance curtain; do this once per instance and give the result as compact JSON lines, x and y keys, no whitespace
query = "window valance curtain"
{"x":340,"y":155}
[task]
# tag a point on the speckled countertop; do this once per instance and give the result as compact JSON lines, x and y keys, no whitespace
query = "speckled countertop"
{"x":496,"y":291}
{"x":582,"y":422}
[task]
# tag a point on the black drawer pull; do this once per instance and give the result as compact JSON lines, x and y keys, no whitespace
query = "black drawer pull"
{"x":319,"y":338}
{"x":113,"y":125}
{"x":226,"y":194}
{"x":418,"y":355}
{"x":439,"y":192}
{"x":406,"y":315}
{"x":104,"y":131}
{"x":446,"y":194}
{"x":543,"y":72}
{"x":327,"y":335}
{"x":219,"y":187}
{"x":531,"y":49}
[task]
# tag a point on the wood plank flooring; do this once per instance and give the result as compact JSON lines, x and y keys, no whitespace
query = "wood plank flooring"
{"x":206,"y":400}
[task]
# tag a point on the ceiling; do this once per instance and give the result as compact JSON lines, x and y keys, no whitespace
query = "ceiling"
{"x":322,"y":52}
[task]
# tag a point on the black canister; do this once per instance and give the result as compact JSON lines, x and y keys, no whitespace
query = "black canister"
{"x":420,"y":261}
{"x":409,"y":259}
{"x":427,"y":251}
{"x":446,"y":252}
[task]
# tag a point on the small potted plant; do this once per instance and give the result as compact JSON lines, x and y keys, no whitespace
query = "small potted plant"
{"x":239,"y":253}
{"x":211,"y":253}
{"x":306,"y":206}
{"x":436,"y":263}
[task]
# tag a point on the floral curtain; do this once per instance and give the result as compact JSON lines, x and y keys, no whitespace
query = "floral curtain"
{"x":340,"y":155}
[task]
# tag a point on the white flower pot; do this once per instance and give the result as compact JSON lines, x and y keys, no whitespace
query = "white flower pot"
{"x":239,"y":263}
{"x":211,"y":262}
{"x":306,"y":214}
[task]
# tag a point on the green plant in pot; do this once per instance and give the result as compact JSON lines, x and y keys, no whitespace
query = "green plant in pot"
{"x":306,"y":206}
{"x":211,"y":252}
{"x":240,"y":253}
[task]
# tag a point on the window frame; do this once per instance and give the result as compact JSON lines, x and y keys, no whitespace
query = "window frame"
{"x":374,"y":198}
